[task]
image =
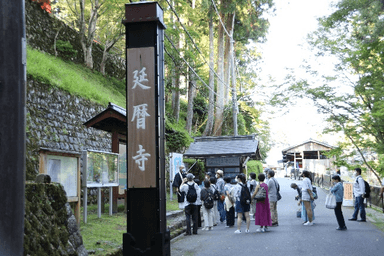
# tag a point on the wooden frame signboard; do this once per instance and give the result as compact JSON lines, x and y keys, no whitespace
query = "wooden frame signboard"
{"x":141,"y":118}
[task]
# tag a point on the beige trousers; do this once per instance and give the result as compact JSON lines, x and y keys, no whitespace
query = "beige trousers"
{"x":273,"y":207}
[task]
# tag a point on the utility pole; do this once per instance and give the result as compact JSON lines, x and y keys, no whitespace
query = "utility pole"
{"x":12,"y":126}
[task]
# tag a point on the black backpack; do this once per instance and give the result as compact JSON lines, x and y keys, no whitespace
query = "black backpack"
{"x":191,"y":194}
{"x":314,"y":189}
{"x":245,"y":196}
{"x":208,"y":201}
{"x":216,"y":194}
{"x":367,"y":190}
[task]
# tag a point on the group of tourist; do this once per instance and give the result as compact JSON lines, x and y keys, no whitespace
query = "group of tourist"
{"x":221,"y":199}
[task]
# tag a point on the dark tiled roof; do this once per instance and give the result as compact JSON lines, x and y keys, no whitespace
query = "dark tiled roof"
{"x":117,"y":108}
{"x":112,"y":119}
{"x":204,"y":147}
{"x":309,"y":141}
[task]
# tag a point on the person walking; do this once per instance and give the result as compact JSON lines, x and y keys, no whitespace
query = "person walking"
{"x":273,"y":187}
{"x":338,"y":191}
{"x":191,"y":190}
{"x":207,"y":199}
{"x":220,"y":188}
{"x":251,"y":184}
{"x":229,"y":203}
{"x":216,"y":215}
{"x":263,"y":212}
{"x":358,"y":192}
{"x":307,"y":199}
{"x":241,"y":209}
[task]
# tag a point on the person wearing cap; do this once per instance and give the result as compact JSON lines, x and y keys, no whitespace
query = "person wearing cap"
{"x":190,"y":208}
{"x":220,"y":188}
{"x":177,"y":183}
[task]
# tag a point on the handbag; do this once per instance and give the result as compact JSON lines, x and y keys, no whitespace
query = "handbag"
{"x":330,"y":201}
{"x":261,"y":194}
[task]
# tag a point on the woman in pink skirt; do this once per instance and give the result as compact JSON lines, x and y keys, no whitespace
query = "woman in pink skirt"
{"x":263,"y":212}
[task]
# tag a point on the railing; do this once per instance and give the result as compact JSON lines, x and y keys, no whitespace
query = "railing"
{"x":325,"y":181}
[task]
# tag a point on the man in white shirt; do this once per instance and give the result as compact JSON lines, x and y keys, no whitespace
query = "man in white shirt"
{"x":358,"y":192}
{"x":190,"y":206}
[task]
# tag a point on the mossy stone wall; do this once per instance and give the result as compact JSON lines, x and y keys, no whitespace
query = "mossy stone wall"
{"x":55,"y":120}
{"x":50,"y":227}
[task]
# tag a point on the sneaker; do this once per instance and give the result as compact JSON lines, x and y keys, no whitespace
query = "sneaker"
{"x":227,"y":226}
{"x":238,"y":232}
{"x":266,"y":229}
{"x":210,"y":228}
{"x":258,"y":230}
{"x":305,"y":223}
{"x":247,"y":231}
{"x":308,"y":224}
{"x":205,"y":228}
{"x":262,"y":230}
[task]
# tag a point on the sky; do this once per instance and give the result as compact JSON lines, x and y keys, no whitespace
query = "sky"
{"x":285,"y":48}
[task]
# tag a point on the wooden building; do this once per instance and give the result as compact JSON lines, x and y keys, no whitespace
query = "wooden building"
{"x":228,"y":153}
{"x":309,"y":156}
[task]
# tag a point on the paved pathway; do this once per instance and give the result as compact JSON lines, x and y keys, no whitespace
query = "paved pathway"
{"x":290,"y":238}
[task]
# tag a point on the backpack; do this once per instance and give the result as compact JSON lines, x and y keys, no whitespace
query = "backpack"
{"x":314,"y":190}
{"x":191,"y":195}
{"x":216,"y":194}
{"x":245,"y":196}
{"x":367,"y":192}
{"x":208,"y":201}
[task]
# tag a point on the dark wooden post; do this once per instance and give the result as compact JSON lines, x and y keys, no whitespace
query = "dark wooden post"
{"x":146,"y":213}
{"x":12,"y":126}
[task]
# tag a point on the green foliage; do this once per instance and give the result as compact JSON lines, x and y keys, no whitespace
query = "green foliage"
{"x":177,"y":138}
{"x":198,"y":168}
{"x":65,"y":48}
{"x":352,"y":35}
{"x":255,"y":167}
{"x":75,"y":78}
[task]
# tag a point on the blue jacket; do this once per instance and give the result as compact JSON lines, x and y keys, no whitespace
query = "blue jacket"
{"x":338,"y":191}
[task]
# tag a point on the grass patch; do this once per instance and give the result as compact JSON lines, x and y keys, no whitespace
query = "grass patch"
{"x":104,"y":235}
{"x":75,"y":78}
{"x":172,"y":205}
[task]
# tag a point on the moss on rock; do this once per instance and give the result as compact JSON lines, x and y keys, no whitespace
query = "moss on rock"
{"x":46,"y":231}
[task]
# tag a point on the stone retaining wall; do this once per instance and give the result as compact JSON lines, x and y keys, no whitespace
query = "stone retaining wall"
{"x":55,"y":120}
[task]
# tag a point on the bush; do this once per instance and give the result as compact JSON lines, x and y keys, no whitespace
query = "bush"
{"x":65,"y":49}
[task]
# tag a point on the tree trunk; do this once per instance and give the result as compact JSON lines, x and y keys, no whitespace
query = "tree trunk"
{"x":227,"y":57}
{"x":220,"y":85}
{"x":233,"y":75}
{"x":86,"y":39}
{"x":191,"y":96}
{"x":191,"y":91}
{"x":211,"y":106}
